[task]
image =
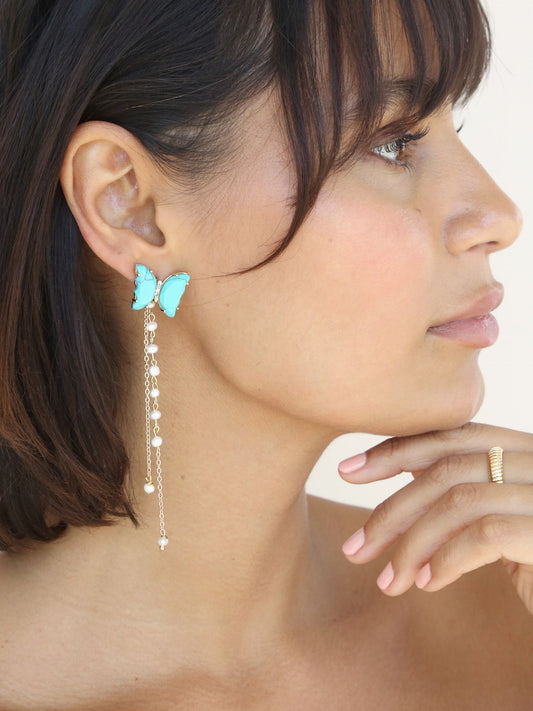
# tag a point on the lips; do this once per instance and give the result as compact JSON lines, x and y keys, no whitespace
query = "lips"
{"x":481,"y":306}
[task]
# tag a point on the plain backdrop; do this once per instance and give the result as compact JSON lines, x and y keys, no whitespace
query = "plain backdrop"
{"x":498,"y":131}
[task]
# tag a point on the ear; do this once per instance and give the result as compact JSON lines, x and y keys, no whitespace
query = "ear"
{"x":110,"y":185}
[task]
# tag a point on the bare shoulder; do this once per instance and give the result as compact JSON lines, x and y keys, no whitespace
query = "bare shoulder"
{"x":21,"y":627}
{"x":335,"y":518}
{"x":487,"y":594}
{"x":474,"y":636}
{"x":40,"y":645}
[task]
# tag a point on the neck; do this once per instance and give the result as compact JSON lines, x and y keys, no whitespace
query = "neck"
{"x":234,"y":473}
{"x":242,"y":563}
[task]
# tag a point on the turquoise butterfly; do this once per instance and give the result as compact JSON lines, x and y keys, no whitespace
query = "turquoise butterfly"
{"x":167,"y":292}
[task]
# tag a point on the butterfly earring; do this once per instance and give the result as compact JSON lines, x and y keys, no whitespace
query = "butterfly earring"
{"x":148,"y":292}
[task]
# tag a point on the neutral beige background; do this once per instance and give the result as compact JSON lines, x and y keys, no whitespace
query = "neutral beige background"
{"x":499,"y":131}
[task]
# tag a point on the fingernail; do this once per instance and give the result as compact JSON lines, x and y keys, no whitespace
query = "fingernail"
{"x":354,"y":543}
{"x":423,"y":576}
{"x":386,"y":577}
{"x":348,"y":466}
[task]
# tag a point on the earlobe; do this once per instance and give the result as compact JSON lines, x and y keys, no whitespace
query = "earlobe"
{"x":107,"y":189}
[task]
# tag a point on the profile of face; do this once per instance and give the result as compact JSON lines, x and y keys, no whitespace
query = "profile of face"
{"x":334,"y":331}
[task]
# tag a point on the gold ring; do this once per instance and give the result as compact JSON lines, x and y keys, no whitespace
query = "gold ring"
{"x":496,"y":464}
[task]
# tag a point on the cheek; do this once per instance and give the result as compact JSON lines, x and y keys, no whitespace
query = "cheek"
{"x":334,"y":330}
{"x":378,"y":262}
{"x":334,"y":321}
{"x":382,"y":265}
{"x":368,"y":306}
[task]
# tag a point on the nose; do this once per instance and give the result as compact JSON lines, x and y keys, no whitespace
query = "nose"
{"x":482,"y":216}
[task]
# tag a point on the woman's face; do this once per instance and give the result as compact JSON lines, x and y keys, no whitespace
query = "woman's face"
{"x":335,"y":330}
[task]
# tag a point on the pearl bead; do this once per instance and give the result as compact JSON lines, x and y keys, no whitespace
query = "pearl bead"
{"x":155,"y":415}
{"x":162,"y":542}
{"x":156,"y":441}
{"x":154,"y":370}
{"x":149,"y":488}
{"x":154,"y":393}
{"x":150,"y":305}
{"x":151,"y":326}
{"x":152,"y":348}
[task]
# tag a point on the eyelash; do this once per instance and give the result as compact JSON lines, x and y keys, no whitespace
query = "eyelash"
{"x":399,"y":144}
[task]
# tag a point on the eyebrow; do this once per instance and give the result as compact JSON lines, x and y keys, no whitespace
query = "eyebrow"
{"x":403,"y":90}
{"x":400,"y":92}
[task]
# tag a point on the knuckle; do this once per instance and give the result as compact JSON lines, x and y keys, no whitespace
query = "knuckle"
{"x":446,"y":557}
{"x":380,"y":514}
{"x":462,"y":433}
{"x":391,"y":448}
{"x":401,"y":559}
{"x":492,"y":529}
{"x":461,"y":496}
{"x":396,"y":446}
{"x":445,"y":470}
{"x":438,"y":475}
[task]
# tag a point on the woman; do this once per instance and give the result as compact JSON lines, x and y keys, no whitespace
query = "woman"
{"x":294,"y":171}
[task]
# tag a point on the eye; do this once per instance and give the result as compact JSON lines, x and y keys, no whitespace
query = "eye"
{"x":394,"y":151}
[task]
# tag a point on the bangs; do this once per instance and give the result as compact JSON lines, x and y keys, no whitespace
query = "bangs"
{"x":424,"y":54}
{"x":348,"y":62}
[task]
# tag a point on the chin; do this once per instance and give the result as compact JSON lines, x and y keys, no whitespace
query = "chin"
{"x":459,"y":407}
{"x":456,"y":401}
{"x":445,"y":409}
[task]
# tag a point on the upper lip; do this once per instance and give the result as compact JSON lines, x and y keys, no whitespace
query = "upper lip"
{"x":482,"y":305}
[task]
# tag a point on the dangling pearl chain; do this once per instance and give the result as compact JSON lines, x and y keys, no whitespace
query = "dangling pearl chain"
{"x":151,"y":371}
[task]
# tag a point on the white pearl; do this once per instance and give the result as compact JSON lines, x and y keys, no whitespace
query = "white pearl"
{"x":152,"y":348}
{"x":151,"y":326}
{"x":154,"y":370}
{"x":149,"y":488}
{"x":150,"y":305}
{"x":154,"y":393}
{"x":155,"y":415}
{"x":162,"y":542}
{"x":156,"y":441}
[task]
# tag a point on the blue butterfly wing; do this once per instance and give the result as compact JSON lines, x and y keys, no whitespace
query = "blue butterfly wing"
{"x":145,"y":284}
{"x":172,"y":291}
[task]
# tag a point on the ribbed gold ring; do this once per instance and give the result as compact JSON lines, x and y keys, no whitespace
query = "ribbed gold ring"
{"x":496,"y":464}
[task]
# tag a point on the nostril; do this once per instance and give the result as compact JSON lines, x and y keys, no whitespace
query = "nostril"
{"x":494,"y":245}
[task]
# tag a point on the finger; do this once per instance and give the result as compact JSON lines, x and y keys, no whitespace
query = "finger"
{"x":399,"y":512}
{"x":489,"y":539}
{"x":417,"y":452}
{"x":461,"y":507}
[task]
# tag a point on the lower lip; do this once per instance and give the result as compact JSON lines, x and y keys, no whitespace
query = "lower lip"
{"x":478,"y":332}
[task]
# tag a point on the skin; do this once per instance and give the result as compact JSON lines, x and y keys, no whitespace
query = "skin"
{"x":258,"y":374}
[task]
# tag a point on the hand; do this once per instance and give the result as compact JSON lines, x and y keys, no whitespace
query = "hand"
{"x":451,"y":519}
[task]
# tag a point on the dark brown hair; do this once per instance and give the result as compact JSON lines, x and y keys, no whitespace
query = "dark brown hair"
{"x":174,"y":73}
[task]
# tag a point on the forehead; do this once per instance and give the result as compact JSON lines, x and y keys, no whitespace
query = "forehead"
{"x":409,"y":70}
{"x":352,"y":71}
{"x":397,"y":51}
